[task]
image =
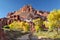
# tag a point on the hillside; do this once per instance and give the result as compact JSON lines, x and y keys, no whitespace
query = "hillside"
{"x":27,"y":12}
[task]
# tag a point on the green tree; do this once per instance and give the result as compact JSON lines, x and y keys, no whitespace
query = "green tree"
{"x":6,"y":27}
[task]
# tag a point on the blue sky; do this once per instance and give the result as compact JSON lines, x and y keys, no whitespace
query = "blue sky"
{"x":13,"y":5}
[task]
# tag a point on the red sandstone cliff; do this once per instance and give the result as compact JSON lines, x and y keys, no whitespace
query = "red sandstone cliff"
{"x":26,"y":12}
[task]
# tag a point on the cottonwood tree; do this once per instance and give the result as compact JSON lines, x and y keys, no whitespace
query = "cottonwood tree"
{"x":38,"y":24}
{"x":53,"y":19}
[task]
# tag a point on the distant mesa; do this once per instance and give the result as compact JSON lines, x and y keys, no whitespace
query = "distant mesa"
{"x":27,"y":12}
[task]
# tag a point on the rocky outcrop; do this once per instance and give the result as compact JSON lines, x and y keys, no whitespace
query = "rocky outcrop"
{"x":27,"y":12}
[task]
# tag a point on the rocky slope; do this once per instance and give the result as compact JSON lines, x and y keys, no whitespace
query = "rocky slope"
{"x":27,"y":12}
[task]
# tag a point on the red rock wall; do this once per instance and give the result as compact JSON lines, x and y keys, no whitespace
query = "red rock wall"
{"x":16,"y":16}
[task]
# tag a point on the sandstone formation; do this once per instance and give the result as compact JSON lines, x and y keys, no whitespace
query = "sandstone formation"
{"x":26,"y":13}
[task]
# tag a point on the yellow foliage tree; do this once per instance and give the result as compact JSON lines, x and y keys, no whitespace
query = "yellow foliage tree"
{"x":53,"y":19}
{"x":19,"y":26}
{"x":38,"y":24}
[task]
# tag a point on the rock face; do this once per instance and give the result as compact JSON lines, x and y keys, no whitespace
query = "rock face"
{"x":26,"y":13}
